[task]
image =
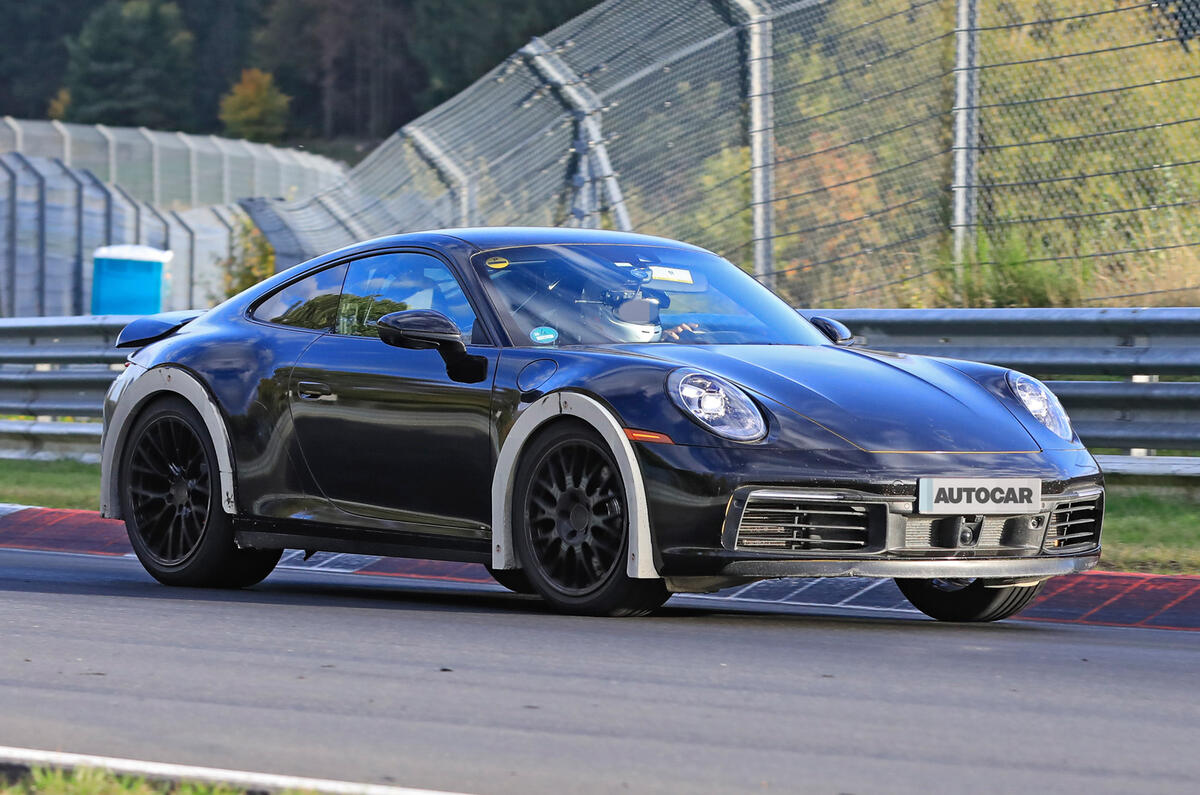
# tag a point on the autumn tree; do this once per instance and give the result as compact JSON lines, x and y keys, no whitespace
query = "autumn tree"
{"x":255,"y":108}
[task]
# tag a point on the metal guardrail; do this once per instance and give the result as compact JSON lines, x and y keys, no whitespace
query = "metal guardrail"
{"x":61,"y":367}
{"x":1122,"y":342}
{"x":55,"y":367}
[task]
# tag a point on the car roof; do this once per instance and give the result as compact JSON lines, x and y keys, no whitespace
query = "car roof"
{"x":486,"y":238}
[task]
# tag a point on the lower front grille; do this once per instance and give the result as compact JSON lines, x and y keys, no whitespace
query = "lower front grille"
{"x":1074,"y":525}
{"x":770,"y":523}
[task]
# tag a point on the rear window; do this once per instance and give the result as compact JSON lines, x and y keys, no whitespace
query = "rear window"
{"x":310,"y":303}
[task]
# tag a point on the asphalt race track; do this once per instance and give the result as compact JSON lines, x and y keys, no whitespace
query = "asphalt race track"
{"x":461,"y":686}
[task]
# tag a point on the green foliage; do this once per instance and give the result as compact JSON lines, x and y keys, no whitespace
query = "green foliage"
{"x":1007,"y":272}
{"x":92,"y":781}
{"x":51,"y":484}
{"x":33,"y":51}
{"x":131,"y":65}
{"x":253,"y":259}
{"x":255,"y":108}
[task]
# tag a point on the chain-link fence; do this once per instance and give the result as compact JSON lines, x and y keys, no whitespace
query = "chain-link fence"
{"x":53,"y":217}
{"x":173,"y":171}
{"x":901,"y":152}
{"x":66,"y":189}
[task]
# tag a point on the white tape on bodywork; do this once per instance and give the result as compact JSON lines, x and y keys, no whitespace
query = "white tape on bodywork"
{"x":155,"y":383}
{"x":640,"y":563}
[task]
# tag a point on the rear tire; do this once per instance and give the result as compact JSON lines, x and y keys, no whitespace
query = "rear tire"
{"x":169,"y":498}
{"x":967,"y":600}
{"x":571,"y":526}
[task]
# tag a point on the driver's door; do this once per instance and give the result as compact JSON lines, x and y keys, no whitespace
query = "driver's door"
{"x":385,"y":431}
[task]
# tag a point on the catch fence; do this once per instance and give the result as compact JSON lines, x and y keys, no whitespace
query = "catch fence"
{"x":849,"y":152}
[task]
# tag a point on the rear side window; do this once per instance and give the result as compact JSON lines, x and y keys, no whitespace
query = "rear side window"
{"x":310,"y":303}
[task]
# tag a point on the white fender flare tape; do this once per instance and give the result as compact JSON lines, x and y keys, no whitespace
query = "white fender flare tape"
{"x":640,"y":564}
{"x":156,"y":381}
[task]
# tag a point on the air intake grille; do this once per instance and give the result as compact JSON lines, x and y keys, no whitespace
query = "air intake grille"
{"x":1074,"y":525}
{"x":803,"y":525}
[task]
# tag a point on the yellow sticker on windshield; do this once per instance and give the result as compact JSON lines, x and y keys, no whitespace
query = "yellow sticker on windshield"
{"x":664,"y":274}
{"x":496,"y":262}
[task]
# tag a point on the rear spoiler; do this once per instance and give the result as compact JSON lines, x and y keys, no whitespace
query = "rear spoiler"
{"x":146,"y":330}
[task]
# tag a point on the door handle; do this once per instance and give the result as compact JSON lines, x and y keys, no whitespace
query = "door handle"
{"x":314,"y":390}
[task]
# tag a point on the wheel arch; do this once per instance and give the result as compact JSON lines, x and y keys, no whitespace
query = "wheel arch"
{"x":557,"y":405}
{"x":147,"y":387}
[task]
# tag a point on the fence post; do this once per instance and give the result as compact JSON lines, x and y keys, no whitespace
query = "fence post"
{"x":228,"y":228}
{"x":66,"y":140}
{"x":10,"y":271}
{"x":111,"y":141}
{"x":447,"y":166}
{"x":137,"y":212}
{"x":18,"y":133}
{"x":761,"y":132}
{"x":41,"y":230}
{"x":108,"y":204}
{"x":77,"y":266}
{"x":226,"y":171}
{"x":584,"y":101}
{"x":166,"y":225}
{"x":191,"y":261}
{"x":193,"y":170}
{"x":966,"y":130}
{"x":155,"y":167}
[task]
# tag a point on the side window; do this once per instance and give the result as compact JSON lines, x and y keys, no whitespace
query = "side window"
{"x":310,"y":303}
{"x":386,"y":283}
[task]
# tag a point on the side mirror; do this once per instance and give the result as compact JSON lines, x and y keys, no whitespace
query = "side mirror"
{"x":424,"y":329}
{"x":835,"y":330}
{"x":421,"y":329}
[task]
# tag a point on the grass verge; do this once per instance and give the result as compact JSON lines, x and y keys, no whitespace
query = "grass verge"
{"x":90,"y":781}
{"x":50,"y":484}
{"x":1150,"y":530}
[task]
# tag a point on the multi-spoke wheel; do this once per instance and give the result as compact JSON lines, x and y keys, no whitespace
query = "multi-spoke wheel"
{"x":968,"y":599}
{"x":571,"y":526}
{"x":169,"y":486}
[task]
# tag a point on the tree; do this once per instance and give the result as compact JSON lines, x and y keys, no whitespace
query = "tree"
{"x":131,"y":65}
{"x":33,"y":53}
{"x":255,"y":108}
{"x":223,"y":30}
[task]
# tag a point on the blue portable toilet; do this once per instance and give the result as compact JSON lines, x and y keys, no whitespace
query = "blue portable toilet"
{"x":130,"y":280}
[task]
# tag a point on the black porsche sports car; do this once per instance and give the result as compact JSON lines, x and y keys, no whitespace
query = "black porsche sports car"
{"x":600,"y":418}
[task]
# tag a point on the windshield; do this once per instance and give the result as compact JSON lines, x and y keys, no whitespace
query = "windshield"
{"x":597,"y":294}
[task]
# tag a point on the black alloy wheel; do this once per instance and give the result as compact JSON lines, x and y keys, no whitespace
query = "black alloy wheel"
{"x":571,"y":526}
{"x":169,"y":486}
{"x":968,"y":600}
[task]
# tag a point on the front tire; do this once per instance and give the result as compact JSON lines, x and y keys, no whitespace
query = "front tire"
{"x":967,"y":600}
{"x":571,"y":526}
{"x":169,"y":486}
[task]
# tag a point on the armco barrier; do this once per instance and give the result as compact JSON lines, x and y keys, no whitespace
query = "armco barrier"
{"x":61,"y":367}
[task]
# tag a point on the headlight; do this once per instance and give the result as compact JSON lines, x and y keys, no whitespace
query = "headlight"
{"x":717,"y":405}
{"x":1042,"y":404}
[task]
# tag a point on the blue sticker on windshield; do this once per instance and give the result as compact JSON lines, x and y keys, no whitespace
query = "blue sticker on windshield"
{"x":543,"y":335}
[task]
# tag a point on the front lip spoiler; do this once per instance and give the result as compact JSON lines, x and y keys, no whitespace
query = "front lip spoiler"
{"x":1018,"y":568}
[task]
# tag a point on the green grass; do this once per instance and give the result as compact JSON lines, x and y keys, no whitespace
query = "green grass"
{"x":1157,"y":533}
{"x":1145,"y":529}
{"x":50,"y":484}
{"x":89,"y":781}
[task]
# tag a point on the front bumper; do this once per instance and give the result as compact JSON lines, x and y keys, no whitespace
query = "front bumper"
{"x":874,"y":528}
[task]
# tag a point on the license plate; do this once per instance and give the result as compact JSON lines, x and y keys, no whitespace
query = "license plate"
{"x":965,"y":496}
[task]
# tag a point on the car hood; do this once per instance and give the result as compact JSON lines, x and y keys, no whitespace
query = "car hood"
{"x":877,"y":401}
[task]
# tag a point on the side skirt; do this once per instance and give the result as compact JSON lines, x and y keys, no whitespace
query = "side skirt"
{"x":285,"y":534}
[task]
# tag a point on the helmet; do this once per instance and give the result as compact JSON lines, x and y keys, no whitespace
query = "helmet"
{"x":626,"y":318}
